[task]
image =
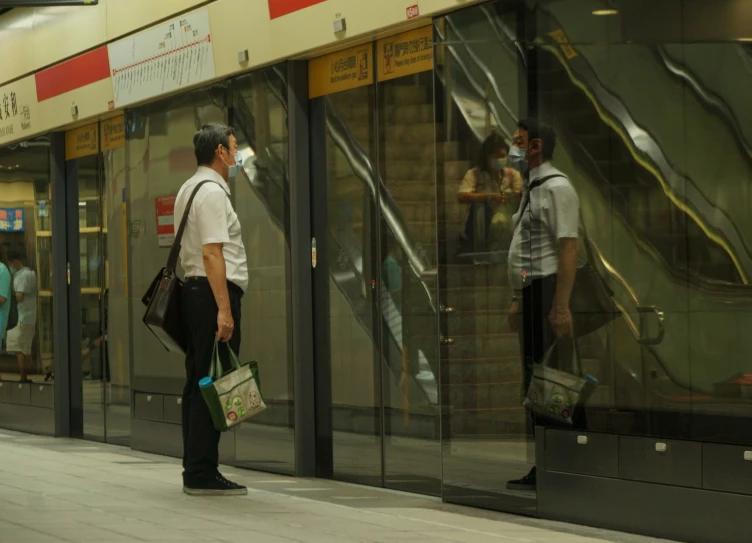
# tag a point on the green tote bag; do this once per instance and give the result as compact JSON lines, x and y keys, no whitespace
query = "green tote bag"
{"x":232,"y":396}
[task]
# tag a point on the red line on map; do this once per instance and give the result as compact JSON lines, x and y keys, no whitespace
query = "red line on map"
{"x":166,"y":53}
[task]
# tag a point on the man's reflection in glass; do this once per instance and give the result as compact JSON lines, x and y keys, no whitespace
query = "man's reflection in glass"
{"x":543,"y":253}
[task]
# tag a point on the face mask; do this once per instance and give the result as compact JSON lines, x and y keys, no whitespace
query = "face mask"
{"x":236,"y":168}
{"x":13,"y":270}
{"x":517,"y":159}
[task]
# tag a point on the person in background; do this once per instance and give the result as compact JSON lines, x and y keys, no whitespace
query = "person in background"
{"x":5,"y":292}
{"x":543,"y":253}
{"x":391,"y":273}
{"x":21,"y":338}
{"x":216,"y":276}
{"x":491,"y":192}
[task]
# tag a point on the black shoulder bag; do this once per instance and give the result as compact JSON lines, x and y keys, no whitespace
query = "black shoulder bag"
{"x":162,"y":300}
{"x":591,"y":304}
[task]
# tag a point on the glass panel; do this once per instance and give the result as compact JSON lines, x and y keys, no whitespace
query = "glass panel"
{"x":262,"y":204}
{"x":355,"y":376}
{"x":409,"y":304}
{"x":92,"y":268}
{"x":721,"y":310}
{"x":638,"y":123}
{"x":160,"y":159}
{"x":26,"y":239}
{"x":486,"y":433}
{"x":115,"y":303}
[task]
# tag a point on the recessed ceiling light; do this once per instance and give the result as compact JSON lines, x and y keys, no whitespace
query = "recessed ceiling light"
{"x":602,"y":12}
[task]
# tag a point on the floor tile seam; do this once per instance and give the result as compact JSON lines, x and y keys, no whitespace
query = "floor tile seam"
{"x":339,"y":506}
{"x":84,"y":507}
{"x":55,"y":474}
{"x":36,"y":530}
{"x":401,"y":517}
{"x":150,"y":524}
{"x":205,"y":517}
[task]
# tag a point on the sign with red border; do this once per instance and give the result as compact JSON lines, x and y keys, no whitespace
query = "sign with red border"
{"x":165,"y":220}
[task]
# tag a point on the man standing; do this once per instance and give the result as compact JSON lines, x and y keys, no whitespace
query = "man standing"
{"x":216,"y":275}
{"x":543,"y":253}
{"x":21,"y":338}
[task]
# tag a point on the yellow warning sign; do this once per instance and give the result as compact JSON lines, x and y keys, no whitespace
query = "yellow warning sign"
{"x":561,"y":38}
{"x":340,"y":71}
{"x":113,"y":133}
{"x":405,"y":54}
{"x":81,"y":142}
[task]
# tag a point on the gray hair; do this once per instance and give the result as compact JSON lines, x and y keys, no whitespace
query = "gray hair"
{"x":208,"y":138}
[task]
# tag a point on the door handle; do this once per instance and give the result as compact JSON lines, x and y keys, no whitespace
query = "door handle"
{"x":661,"y":318}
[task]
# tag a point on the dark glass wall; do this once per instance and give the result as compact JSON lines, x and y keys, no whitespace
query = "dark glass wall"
{"x":481,"y":92}
{"x":654,"y":135}
{"x":640,"y":108}
{"x":262,"y":202}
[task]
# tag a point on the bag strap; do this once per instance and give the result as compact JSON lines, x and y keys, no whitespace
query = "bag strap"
{"x":172,"y":260}
{"x":576,"y":363}
{"x":215,"y":370}
{"x":534,"y":185}
{"x":537,"y":183}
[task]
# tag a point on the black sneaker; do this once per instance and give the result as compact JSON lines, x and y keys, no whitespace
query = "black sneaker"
{"x":526,"y":483}
{"x":215,"y":486}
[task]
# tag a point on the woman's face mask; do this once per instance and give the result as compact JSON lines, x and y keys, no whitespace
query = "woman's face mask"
{"x":498,"y":164}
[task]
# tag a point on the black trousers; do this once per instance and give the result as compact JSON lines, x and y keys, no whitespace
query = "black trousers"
{"x":199,"y":315}
{"x":537,"y":334}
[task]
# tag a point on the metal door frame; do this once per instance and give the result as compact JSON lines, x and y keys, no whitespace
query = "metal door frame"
{"x":74,"y":298}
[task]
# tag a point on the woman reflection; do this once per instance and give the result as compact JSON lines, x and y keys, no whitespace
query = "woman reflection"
{"x":491,"y":192}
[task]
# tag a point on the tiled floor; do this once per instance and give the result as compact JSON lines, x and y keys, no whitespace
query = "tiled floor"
{"x":55,"y":490}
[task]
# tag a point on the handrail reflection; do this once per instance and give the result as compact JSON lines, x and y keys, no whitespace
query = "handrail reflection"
{"x":711,"y":100}
{"x":452,"y":48}
{"x":638,"y":139}
{"x":648,"y":153}
{"x":363,"y":168}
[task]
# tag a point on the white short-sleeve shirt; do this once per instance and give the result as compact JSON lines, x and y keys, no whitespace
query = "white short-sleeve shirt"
{"x":553,"y":214}
{"x":210,"y":220}
{"x":25,"y":280}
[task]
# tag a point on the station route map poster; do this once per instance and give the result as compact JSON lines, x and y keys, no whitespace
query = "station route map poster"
{"x":163,"y":59}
